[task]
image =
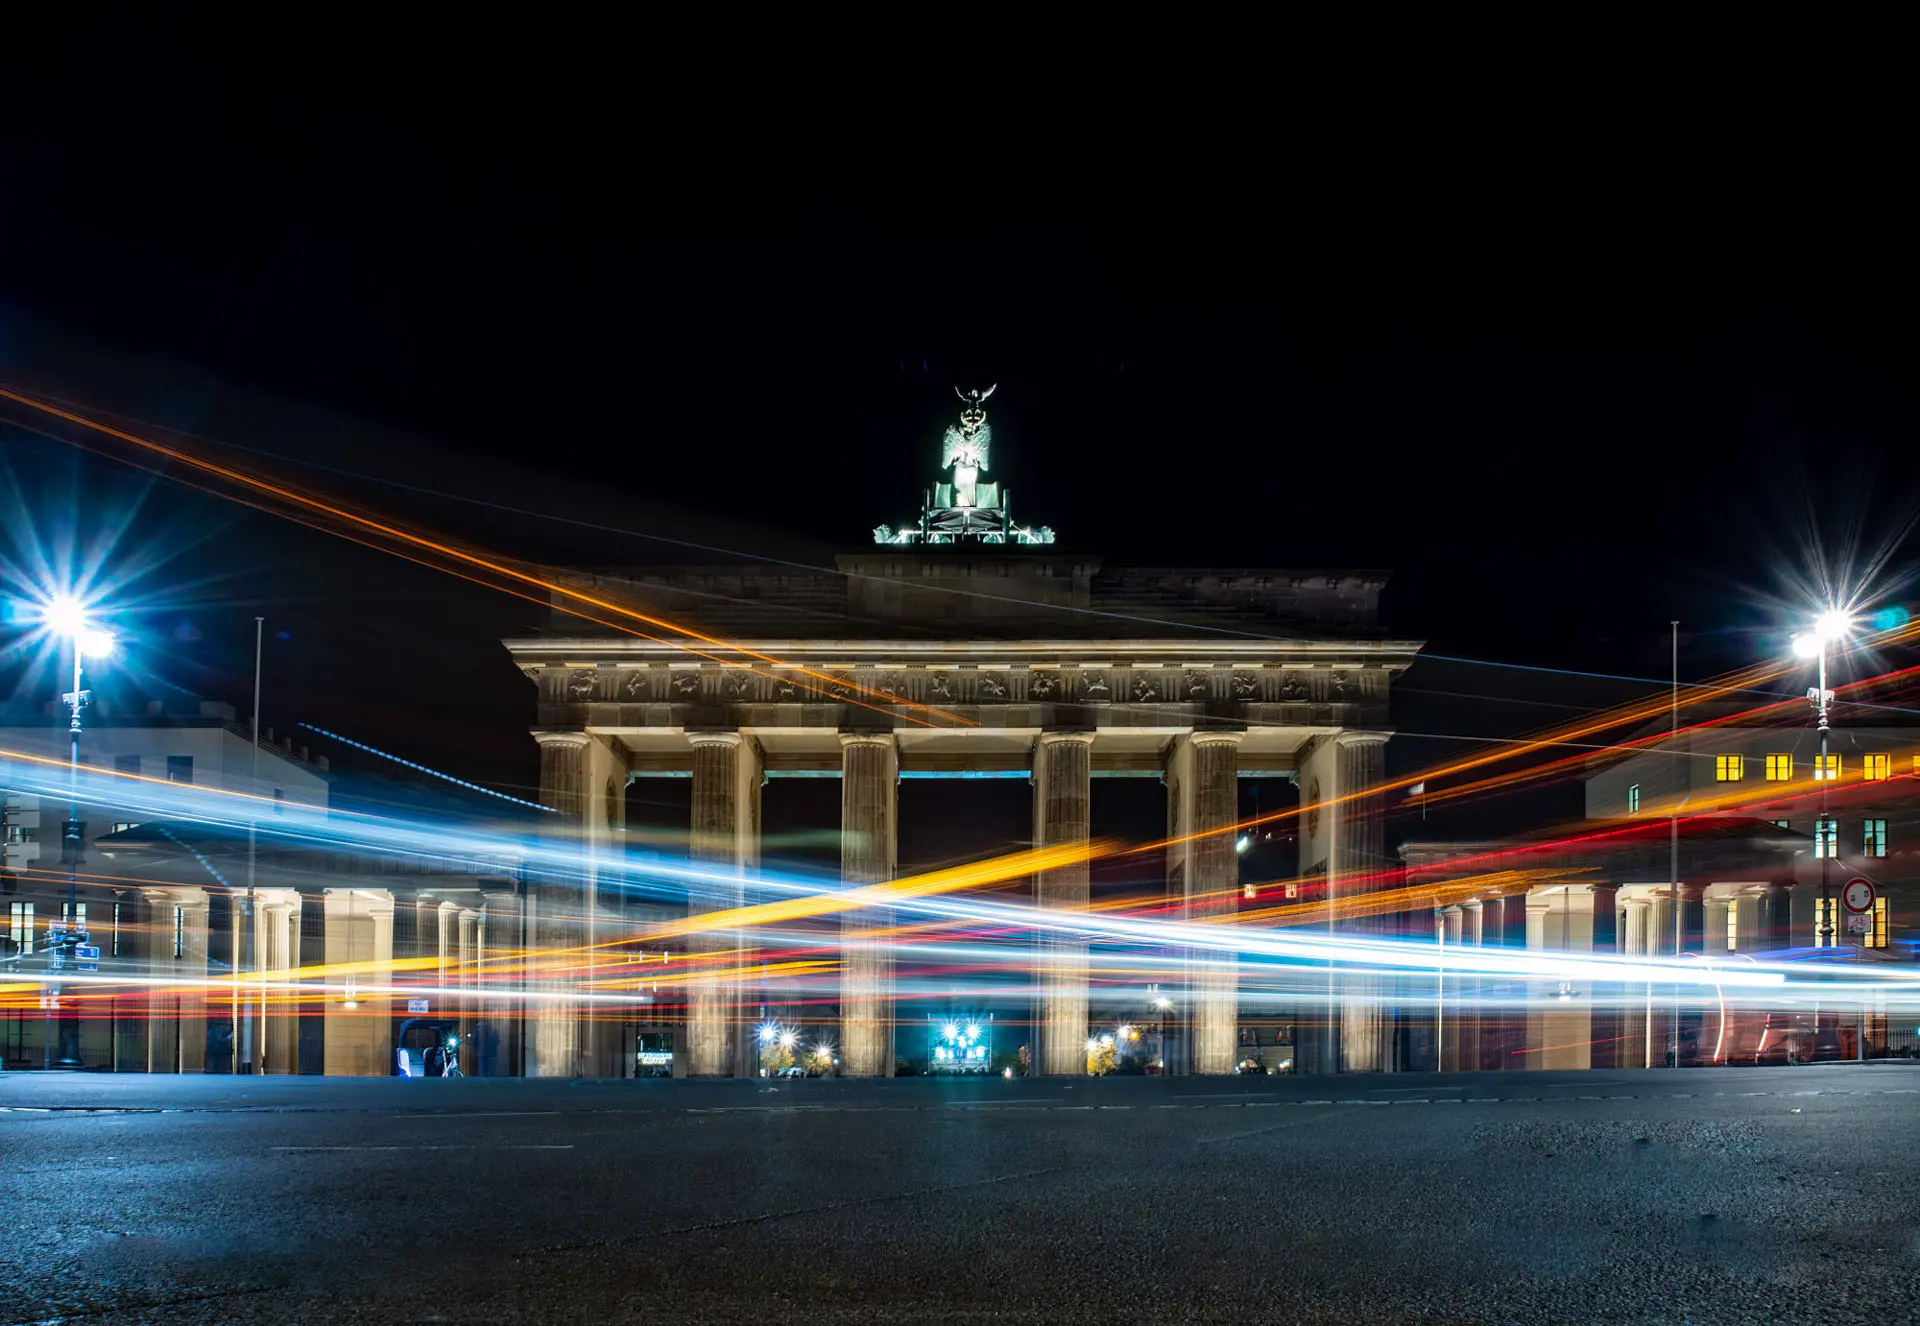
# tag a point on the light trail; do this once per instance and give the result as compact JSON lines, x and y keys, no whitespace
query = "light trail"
{"x":493,"y":566}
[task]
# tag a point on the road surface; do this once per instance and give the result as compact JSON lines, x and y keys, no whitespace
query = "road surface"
{"x":1732,"y":1195}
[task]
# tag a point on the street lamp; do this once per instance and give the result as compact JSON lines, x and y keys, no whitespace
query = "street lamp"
{"x":1829,"y":628}
{"x":67,"y":617}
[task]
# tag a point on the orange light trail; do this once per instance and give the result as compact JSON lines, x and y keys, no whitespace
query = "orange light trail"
{"x":407,"y":537}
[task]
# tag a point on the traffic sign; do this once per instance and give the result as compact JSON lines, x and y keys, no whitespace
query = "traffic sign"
{"x":86,"y":953}
{"x":1858,"y":895}
{"x":416,"y":1006}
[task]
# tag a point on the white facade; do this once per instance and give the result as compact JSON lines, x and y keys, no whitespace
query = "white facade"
{"x":207,"y":749}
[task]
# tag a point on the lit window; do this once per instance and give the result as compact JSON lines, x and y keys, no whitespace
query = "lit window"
{"x":179,"y":932}
{"x":1826,"y":913}
{"x":1826,"y":838}
{"x":1733,"y":925}
{"x":1876,"y":767}
{"x":1826,"y":767}
{"x":21,"y":931}
{"x":1779,"y":768}
{"x":1781,"y":824}
{"x":1633,"y":799}
{"x":1875,"y":841}
{"x":1877,"y":927}
{"x":116,"y":931}
{"x":121,"y":826}
{"x":20,"y":833}
{"x":76,"y":913}
{"x":1729,"y":768}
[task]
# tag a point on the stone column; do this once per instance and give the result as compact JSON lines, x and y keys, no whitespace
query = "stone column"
{"x":1693,"y":918}
{"x":497,"y":1047}
{"x":1605,"y":1020}
{"x":1359,"y":858}
{"x":558,"y":906}
{"x":726,"y":835}
{"x":1776,"y":916}
{"x":1211,"y":887}
{"x":869,"y":784}
{"x":311,"y":1051}
{"x":1447,"y":924}
{"x":133,"y":1009}
{"x":193,"y":998}
{"x":278,"y":1048}
{"x":1500,"y":1030}
{"x":1062,"y":797}
{"x":1716,"y":924}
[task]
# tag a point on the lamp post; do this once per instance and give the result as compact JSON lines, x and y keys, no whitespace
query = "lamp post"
{"x":67,"y":617}
{"x":1829,"y":627}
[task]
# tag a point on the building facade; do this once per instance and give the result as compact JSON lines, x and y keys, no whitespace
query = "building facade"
{"x":962,"y":644}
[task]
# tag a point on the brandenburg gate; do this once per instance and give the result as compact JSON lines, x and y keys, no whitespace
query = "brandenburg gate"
{"x":1046,"y":661}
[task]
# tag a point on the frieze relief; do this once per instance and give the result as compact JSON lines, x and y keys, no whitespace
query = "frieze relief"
{"x":953,"y":686}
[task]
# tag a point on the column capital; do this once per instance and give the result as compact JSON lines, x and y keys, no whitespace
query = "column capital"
{"x":1055,"y":738}
{"x":560,"y":737}
{"x":1211,"y":737}
{"x":1360,"y":738}
{"x":715,"y":738}
{"x":866,"y":739}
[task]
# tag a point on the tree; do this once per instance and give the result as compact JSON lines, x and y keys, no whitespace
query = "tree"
{"x":776,"y":1058}
{"x":1101,"y":1059}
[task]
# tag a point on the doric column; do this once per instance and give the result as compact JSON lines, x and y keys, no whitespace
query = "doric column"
{"x":1062,"y":797}
{"x":311,"y":1051}
{"x":1365,"y":1030}
{"x":1693,"y":918}
{"x":133,"y":933}
{"x":869,"y":847}
{"x":1446,"y":933}
{"x":1605,"y":1022}
{"x":497,"y":1039}
{"x":1717,"y":912}
{"x":1212,"y":877}
{"x":278,"y":1041}
{"x":1776,"y":916}
{"x":193,"y":998}
{"x":559,"y":909}
{"x":726,"y":835}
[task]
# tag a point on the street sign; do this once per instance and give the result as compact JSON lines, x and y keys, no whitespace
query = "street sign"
{"x":1858,"y":895}
{"x":417,"y":1006}
{"x":86,"y":953}
{"x":1859,"y":923}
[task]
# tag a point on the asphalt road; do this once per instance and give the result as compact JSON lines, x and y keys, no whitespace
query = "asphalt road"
{"x":1756,"y":1195}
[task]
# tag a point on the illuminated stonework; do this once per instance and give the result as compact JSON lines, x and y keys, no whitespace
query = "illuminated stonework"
{"x":964,"y":508}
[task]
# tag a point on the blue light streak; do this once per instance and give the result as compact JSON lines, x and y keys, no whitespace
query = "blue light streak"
{"x":458,"y":782}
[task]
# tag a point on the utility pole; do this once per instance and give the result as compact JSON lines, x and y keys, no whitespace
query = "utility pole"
{"x":248,"y":1046}
{"x":1673,"y":837}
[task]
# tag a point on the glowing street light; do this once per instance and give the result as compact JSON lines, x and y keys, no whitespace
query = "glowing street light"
{"x":67,"y":617}
{"x":1830,"y":627}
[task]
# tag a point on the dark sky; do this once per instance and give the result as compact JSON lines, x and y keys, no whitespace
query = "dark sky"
{"x":1571,"y":361}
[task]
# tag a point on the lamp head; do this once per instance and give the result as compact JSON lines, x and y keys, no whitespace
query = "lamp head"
{"x":95,"y":643}
{"x":1831,"y":625}
{"x":65,"y":615}
{"x":1806,"y":646}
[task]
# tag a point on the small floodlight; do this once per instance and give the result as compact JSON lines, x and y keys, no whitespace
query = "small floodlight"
{"x":1806,"y":646}
{"x":65,"y":615}
{"x":1831,"y":625}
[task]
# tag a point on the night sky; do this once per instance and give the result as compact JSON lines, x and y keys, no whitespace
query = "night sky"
{"x":1569,"y":373}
